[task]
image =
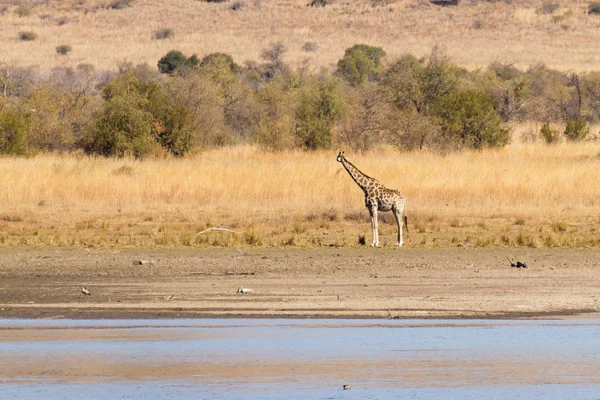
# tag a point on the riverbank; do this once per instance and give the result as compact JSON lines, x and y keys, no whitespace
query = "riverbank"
{"x":305,"y":283}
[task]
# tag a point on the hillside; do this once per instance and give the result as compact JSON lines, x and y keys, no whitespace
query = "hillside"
{"x":474,"y":34}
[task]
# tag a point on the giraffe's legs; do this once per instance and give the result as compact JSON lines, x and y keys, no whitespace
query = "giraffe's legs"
{"x":398,"y":216}
{"x":374,"y":226}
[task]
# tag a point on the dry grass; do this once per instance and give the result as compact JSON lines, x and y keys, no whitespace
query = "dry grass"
{"x":473,"y":34}
{"x":523,"y":195}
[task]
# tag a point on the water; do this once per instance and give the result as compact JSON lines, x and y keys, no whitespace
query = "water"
{"x":300,"y":359}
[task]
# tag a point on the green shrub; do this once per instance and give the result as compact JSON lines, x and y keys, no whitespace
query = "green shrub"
{"x":164,"y":33}
{"x":57,"y":110}
{"x":13,"y":132}
{"x":64,"y":49}
{"x":123,"y":128}
{"x":220,"y":61}
{"x":594,"y":8}
{"x":549,"y":135}
{"x":321,"y":105}
{"x":137,"y":117}
{"x":27,"y":36}
{"x":220,"y":68}
{"x":172,"y":123}
{"x":468,"y":119}
{"x":171,"y":61}
{"x":576,"y":130}
{"x":23,"y":11}
{"x":123,"y":125}
{"x":360,"y":63}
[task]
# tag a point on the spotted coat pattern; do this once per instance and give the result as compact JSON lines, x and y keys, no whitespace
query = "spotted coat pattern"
{"x":378,"y":198}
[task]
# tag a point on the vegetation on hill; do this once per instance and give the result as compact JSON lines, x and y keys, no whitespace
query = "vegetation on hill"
{"x":186,"y":104}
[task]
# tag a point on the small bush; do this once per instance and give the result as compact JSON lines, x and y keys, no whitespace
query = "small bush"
{"x":594,"y":8}
{"x":63,"y":21}
{"x":27,"y":36}
{"x":120,"y":4}
{"x":64,"y":49}
{"x":319,"y":3}
{"x":549,"y":135}
{"x":122,"y":128}
{"x":13,"y":133}
{"x":236,"y":6}
{"x":171,"y":61}
{"x":164,"y":33}
{"x":23,"y":11}
{"x":445,"y":3}
{"x":310,"y":46}
{"x":576,"y":130}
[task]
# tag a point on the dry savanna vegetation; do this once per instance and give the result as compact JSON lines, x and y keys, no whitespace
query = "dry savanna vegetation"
{"x":141,"y":123}
{"x":559,"y":33}
{"x":522,"y":195}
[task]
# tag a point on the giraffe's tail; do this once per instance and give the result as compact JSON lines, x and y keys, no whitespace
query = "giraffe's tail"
{"x":406,"y":222}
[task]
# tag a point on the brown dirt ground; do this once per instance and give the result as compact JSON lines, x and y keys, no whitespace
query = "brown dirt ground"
{"x":332,"y":282}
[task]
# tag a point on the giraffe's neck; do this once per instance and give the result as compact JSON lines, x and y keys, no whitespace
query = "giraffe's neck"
{"x":361,"y":179}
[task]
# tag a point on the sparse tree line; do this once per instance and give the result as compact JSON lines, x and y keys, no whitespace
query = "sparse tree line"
{"x":189,"y":103}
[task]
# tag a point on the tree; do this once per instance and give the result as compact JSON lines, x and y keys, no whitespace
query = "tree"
{"x":321,"y":105}
{"x":416,"y":84}
{"x":275,"y":66}
{"x":361,"y":63}
{"x":220,"y":68}
{"x":365,"y":122}
{"x":137,"y":117}
{"x":468,"y":119}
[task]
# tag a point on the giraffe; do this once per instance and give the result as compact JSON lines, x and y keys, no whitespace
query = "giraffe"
{"x":378,"y":198}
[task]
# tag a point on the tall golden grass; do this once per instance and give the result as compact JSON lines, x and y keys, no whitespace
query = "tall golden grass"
{"x":474,"y":34}
{"x":530,"y":195}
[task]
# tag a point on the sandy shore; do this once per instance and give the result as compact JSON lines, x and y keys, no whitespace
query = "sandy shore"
{"x":333,"y":282}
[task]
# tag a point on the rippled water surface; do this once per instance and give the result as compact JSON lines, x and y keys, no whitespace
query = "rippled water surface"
{"x":300,"y":359}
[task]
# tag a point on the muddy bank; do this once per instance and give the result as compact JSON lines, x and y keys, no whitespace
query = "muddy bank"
{"x":337,"y":282}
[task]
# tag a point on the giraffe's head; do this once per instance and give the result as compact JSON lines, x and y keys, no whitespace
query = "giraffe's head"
{"x":340,"y":156}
